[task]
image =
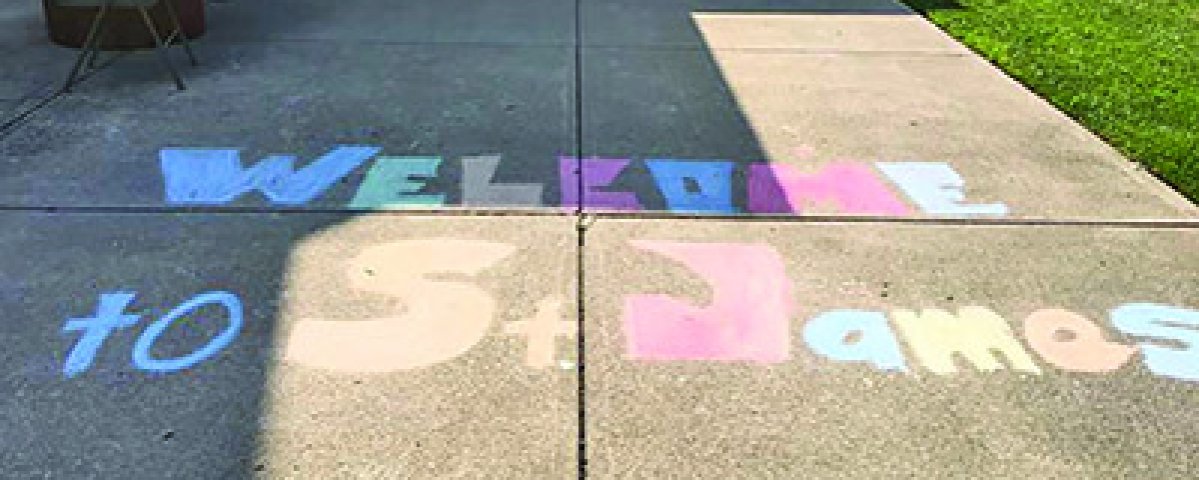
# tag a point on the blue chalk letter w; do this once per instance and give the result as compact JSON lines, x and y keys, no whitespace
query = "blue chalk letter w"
{"x":215,"y":176}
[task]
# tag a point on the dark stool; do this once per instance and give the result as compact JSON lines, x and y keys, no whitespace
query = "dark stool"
{"x":91,"y":45}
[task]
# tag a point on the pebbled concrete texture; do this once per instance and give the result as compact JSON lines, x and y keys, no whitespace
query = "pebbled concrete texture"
{"x":249,"y":409}
{"x":668,"y":23}
{"x":31,"y":68}
{"x":809,"y":416}
{"x":492,"y":22}
{"x":1005,"y":142}
{"x":807,"y":30}
{"x":101,"y":146}
{"x":809,"y":90}
{"x":804,"y":84}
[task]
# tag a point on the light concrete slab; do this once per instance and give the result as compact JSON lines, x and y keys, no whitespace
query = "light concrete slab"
{"x":536,"y":22}
{"x":369,"y":346}
{"x":897,"y":33}
{"x":101,"y":145}
{"x":809,"y":112}
{"x":705,"y":360}
{"x":670,"y":23}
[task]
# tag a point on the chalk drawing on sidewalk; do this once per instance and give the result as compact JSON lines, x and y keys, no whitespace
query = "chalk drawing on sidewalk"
{"x":750,"y":289}
{"x":443,"y":312}
{"x":542,"y":331}
{"x":216,"y":176}
{"x":439,"y":320}
{"x":748,"y":318}
{"x":111,"y":315}
{"x":205,"y":176}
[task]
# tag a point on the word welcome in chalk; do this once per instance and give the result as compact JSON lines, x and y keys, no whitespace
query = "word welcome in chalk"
{"x":748,"y":320}
{"x":199,"y":176}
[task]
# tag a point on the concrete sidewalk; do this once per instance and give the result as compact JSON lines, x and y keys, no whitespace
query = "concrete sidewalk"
{"x":818,"y":239}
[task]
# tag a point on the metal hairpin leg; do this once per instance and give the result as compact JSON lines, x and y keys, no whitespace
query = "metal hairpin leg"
{"x":179,"y":31}
{"x":91,"y":59}
{"x":90,"y":47}
{"x":162,"y":52}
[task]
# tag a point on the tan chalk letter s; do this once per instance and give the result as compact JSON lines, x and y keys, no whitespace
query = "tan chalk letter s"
{"x":440,"y":320}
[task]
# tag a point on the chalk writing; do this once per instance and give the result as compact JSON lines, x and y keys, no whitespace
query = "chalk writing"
{"x":1069,"y":341}
{"x":542,"y":331}
{"x":853,"y":188}
{"x":975,"y":333}
{"x":478,"y":187}
{"x":213,"y":177}
{"x":394,"y":182}
{"x":747,"y":320}
{"x":594,"y":174}
{"x":141,"y":349}
{"x":750,"y":287}
{"x":198,"y":176}
{"x":713,"y":190}
{"x":1163,"y":322}
{"x":936,"y":188}
{"x":855,"y":336}
{"x":442,"y":319}
{"x":111,"y":315}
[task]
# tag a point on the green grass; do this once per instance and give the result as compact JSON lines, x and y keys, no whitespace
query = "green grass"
{"x":1126,"y":69}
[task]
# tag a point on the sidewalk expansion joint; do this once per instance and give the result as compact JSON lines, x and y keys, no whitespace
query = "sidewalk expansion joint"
{"x":583,"y":223}
{"x":13,"y":124}
{"x":587,"y":219}
{"x":1181,"y":223}
{"x":388,"y":43}
{"x":225,"y":210}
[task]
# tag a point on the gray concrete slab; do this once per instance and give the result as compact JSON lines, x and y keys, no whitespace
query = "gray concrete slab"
{"x":9,"y":108}
{"x":369,"y":346}
{"x":669,"y":23}
{"x":713,"y":351}
{"x":103,"y":144}
{"x":32,"y":67}
{"x":833,"y":118}
{"x":537,"y":22}
{"x":23,"y":25}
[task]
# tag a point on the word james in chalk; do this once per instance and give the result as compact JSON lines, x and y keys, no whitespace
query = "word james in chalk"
{"x":750,"y":315}
{"x":198,"y":176}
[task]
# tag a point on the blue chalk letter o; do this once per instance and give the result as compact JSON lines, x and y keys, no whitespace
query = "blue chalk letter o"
{"x":141,"y":349}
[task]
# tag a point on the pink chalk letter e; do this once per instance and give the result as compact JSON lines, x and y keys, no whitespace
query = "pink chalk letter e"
{"x":748,"y":319}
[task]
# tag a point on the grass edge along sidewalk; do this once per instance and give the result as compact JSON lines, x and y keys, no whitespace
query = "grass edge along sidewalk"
{"x":1127,"y":70}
